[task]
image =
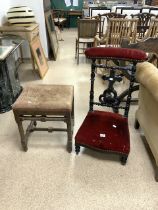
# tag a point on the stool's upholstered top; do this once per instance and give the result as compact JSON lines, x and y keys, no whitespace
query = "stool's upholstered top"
{"x":45,"y":99}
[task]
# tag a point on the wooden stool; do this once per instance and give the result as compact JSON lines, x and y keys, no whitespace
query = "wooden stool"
{"x":45,"y":103}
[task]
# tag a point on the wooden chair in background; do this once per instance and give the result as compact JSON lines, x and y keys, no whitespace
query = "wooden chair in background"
{"x":144,"y":20}
{"x":148,"y":43}
{"x":117,"y":29}
{"x":103,"y":19}
{"x":87,"y":30}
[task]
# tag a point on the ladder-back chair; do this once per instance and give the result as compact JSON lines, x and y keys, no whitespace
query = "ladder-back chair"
{"x":153,"y":29}
{"x":144,"y":20}
{"x":148,"y":43}
{"x":117,"y":29}
{"x":87,"y":30}
{"x":103,"y":21}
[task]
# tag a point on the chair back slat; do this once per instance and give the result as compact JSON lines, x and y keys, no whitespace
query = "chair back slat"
{"x":120,"y":28}
{"x":153,"y":29}
{"x":87,"y":28}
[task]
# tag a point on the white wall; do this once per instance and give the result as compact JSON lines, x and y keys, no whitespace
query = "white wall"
{"x":37,"y":7}
{"x":3,"y":9}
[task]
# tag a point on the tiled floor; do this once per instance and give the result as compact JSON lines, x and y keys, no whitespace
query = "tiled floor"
{"x":49,"y":178}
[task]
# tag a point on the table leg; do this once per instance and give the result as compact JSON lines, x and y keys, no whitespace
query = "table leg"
{"x":32,"y":59}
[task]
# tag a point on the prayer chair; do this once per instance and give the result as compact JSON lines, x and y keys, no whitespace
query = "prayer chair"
{"x":102,"y":130}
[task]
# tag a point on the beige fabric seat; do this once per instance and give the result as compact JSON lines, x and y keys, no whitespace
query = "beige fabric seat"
{"x":45,"y":103}
{"x":147,"y":112}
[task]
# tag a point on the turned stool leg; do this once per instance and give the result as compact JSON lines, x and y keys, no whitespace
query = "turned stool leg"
{"x":69,"y":133}
{"x":21,"y":131}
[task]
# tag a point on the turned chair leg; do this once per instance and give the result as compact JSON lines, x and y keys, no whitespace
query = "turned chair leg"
{"x":136,"y":124}
{"x":123,"y":159}
{"x":77,"y":149}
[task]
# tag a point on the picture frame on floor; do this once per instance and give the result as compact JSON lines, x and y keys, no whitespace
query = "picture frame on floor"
{"x":52,"y":33}
{"x":39,"y":56}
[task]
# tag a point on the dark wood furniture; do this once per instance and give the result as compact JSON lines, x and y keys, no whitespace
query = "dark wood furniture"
{"x":144,"y":20}
{"x":45,"y":103}
{"x":107,"y":131}
{"x":9,"y":81}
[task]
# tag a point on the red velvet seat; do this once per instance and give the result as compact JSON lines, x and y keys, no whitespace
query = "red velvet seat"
{"x":102,"y":130}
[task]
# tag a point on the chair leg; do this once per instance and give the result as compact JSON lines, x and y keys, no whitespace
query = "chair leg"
{"x":123,"y":159}
{"x":76,"y":50}
{"x":77,"y":149}
{"x":78,"y":53}
{"x":136,"y":124}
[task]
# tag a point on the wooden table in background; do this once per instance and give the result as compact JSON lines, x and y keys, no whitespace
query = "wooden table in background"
{"x":72,"y":13}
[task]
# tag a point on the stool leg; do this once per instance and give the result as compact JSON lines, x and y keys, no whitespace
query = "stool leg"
{"x":69,"y":133}
{"x":32,"y":60}
{"x":21,"y":131}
